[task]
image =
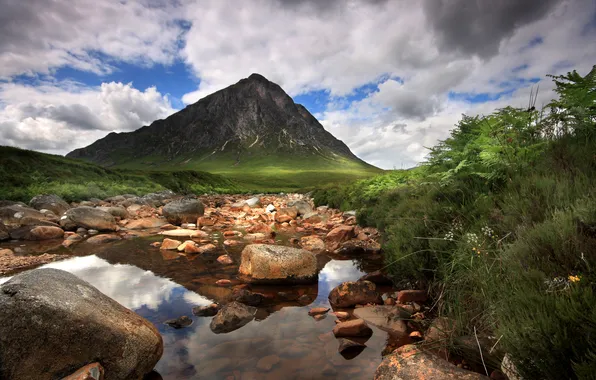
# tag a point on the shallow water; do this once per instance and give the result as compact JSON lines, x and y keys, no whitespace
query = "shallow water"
{"x":162,"y":285}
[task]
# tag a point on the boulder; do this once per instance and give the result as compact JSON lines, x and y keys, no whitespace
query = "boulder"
{"x":50,"y":202}
{"x":119,"y":212}
{"x":4,"y":235}
{"x":145,"y":223}
{"x":262,"y":263}
{"x":247,"y":297}
{"x":13,"y":214}
{"x":409,"y":363}
{"x":53,"y":323}
{"x":232,"y":317}
{"x":45,"y":233}
{"x":170,"y":244}
{"x":253,"y":202}
{"x":337,"y":236}
{"x":103,"y":238}
{"x":303,"y":207}
{"x":348,"y":294}
{"x":352,"y":328}
{"x":185,"y":210}
{"x":92,"y":218}
{"x":290,"y":212}
{"x":387,"y":318}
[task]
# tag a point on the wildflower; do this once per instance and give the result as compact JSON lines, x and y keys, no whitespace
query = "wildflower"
{"x":449,"y":236}
{"x":487,"y":231}
{"x":573,"y":278}
{"x":471,"y":238}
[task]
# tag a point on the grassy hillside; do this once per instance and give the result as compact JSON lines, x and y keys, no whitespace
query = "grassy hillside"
{"x":27,"y":173}
{"x":500,"y":226}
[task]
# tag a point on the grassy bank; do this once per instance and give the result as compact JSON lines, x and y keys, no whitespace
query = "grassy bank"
{"x":500,"y":225}
{"x":26,"y":173}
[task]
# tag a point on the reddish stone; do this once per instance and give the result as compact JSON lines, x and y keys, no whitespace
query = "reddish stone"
{"x":337,"y":236}
{"x":355,"y":327}
{"x":318,"y":310}
{"x":223,"y":282}
{"x":411,"y":296}
{"x":93,"y":371}
{"x":225,"y":260}
{"x":170,"y":244}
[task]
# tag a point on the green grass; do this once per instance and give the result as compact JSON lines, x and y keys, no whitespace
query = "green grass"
{"x":500,"y":226}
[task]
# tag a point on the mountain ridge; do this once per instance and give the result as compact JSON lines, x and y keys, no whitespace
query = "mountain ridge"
{"x":252,"y":123}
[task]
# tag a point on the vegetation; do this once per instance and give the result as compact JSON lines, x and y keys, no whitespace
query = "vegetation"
{"x":500,"y":225}
{"x":26,"y":173}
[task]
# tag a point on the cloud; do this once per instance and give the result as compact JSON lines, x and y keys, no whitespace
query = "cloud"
{"x":37,"y":36}
{"x":57,"y":117}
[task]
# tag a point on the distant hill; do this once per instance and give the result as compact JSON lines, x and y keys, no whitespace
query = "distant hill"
{"x":251,"y":130}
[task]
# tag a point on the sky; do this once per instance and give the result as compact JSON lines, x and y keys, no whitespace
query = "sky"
{"x":388,"y":77}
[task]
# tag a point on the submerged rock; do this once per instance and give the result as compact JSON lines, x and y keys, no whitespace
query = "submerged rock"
{"x":262,"y":263}
{"x":232,"y":317}
{"x":387,"y":318}
{"x":349,"y":348}
{"x":52,"y":323}
{"x":352,"y":328}
{"x":91,"y":218}
{"x":206,"y":311}
{"x":179,"y":323}
{"x":186,"y":210}
{"x":349,"y":294}
{"x":409,"y":363}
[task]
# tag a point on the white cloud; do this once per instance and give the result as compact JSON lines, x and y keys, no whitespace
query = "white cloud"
{"x":57,"y":117}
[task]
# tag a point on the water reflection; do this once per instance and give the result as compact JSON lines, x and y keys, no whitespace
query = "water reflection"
{"x":161,"y":288}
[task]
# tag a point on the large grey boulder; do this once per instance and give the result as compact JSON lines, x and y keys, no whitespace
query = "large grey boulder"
{"x":50,"y":202}
{"x":53,"y":323}
{"x":185,"y":210}
{"x":91,"y":218}
{"x":231,"y":317}
{"x":275,"y":264}
{"x":14,"y":213}
{"x":409,"y":363}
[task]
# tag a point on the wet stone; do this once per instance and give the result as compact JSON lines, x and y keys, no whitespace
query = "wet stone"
{"x":179,"y":323}
{"x":206,"y":311}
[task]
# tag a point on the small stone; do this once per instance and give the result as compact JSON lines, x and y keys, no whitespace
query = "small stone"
{"x":349,"y":348}
{"x":92,"y":232}
{"x":225,"y":260}
{"x":232,"y":242}
{"x":404,"y":296}
{"x":318,"y":310}
{"x":223,"y":282}
{"x":179,"y":323}
{"x":353,"y":328}
{"x":416,"y":335}
{"x":206,"y":311}
{"x":170,"y":244}
{"x":156,"y":244}
{"x":389,"y":301}
{"x":342,"y":314}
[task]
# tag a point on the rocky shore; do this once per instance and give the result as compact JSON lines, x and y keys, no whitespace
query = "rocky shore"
{"x":186,"y":226}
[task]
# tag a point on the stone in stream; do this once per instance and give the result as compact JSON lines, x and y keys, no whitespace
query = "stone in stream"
{"x":225,"y":260}
{"x":206,"y":311}
{"x":93,"y":371}
{"x":170,"y":244}
{"x":268,"y":362}
{"x":116,"y":211}
{"x":145,"y":223}
{"x":349,"y":348}
{"x":303,"y":207}
{"x":348,"y":294}
{"x":53,"y":323}
{"x":12,"y":214}
{"x":337,"y":236}
{"x":409,"y":363}
{"x":262,"y":263}
{"x":91,"y":218}
{"x":312,"y":243}
{"x":404,"y":296}
{"x":193,"y":234}
{"x":387,"y":318}
{"x":50,"y":202}
{"x":103,"y":238}
{"x":377,"y":278}
{"x":352,"y":328}
{"x":186,"y":210}
{"x":318,"y":311}
{"x":37,"y":233}
{"x":247,"y":297}
{"x":232,"y":317}
{"x":179,"y":323}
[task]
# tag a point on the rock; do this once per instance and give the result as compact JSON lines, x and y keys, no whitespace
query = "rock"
{"x":206,"y":311}
{"x":207,"y":248}
{"x":186,"y":210}
{"x":223,"y":282}
{"x":145,"y":223}
{"x":13,"y":214}
{"x":179,"y":323}
{"x":304,"y":299}
{"x":4,"y":235}
{"x":377,"y":278}
{"x":253,"y":202}
{"x":262,"y":263}
{"x":28,"y":221}
{"x":232,"y":317}
{"x":270,"y":208}
{"x":187,"y":244}
{"x":387,"y":318}
{"x":184,"y":233}
{"x":170,"y":244}
{"x":409,"y":363}
{"x":119,"y":212}
{"x":104,"y":238}
{"x":349,"y":348}
{"x":312,"y":243}
{"x":93,"y":371}
{"x":247,"y":297}
{"x":416,"y":335}
{"x":92,"y":232}
{"x":342,"y":314}
{"x":404,"y":296}
{"x":50,"y":202}
{"x":53,"y":322}
{"x":261,"y":228}
{"x":509,"y":368}
{"x":268,"y":362}
{"x":291,"y":212}
{"x":352,"y":328}
{"x":189,"y":226}
{"x":348,"y":294}
{"x":303,"y":207}
{"x":92,"y":218}
{"x":44,"y":233}
{"x":318,"y":310}
{"x":225,"y":260}
{"x":232,"y":242}
{"x":441,"y":329}
{"x":337,"y":236}
{"x":313,"y":217}
{"x":283,"y":219}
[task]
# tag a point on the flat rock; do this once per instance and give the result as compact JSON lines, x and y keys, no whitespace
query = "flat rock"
{"x":348,"y":294}
{"x":352,"y":328}
{"x":318,"y":311}
{"x":206,"y":311}
{"x":170,"y":244}
{"x":409,"y":363}
{"x":387,"y":318}
{"x":179,"y":323}
{"x":92,"y":218}
{"x":262,"y":263}
{"x":232,"y":317}
{"x":53,"y":323}
{"x":145,"y":223}
{"x":103,"y":238}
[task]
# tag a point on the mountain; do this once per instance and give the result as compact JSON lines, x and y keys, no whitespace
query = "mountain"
{"x":252,"y":125}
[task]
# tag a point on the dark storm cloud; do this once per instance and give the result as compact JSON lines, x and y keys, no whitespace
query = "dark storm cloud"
{"x":478,"y":26}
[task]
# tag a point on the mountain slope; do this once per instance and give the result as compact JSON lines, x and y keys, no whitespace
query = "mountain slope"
{"x":252,"y":124}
